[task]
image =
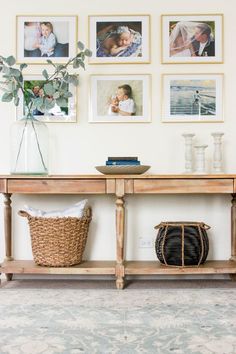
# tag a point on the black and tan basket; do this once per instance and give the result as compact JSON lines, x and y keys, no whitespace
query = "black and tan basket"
{"x":182,"y":243}
{"x":58,"y":242}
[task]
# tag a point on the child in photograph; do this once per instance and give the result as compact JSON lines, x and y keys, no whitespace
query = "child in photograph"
{"x":126,"y":105}
{"x":47,"y":41}
{"x":118,"y":41}
{"x":32,"y":34}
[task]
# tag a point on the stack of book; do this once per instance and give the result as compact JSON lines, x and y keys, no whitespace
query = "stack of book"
{"x":123,"y":161}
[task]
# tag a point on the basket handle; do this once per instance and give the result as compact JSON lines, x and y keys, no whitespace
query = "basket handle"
{"x":205,"y":226}
{"x":88,"y":212}
{"x":23,"y":213}
{"x":159,"y":225}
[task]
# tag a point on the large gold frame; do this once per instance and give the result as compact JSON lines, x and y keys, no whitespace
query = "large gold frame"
{"x":115,"y":60}
{"x":26,"y":60}
{"x":220,"y":61}
{"x":190,"y":121}
{"x":149,"y":104}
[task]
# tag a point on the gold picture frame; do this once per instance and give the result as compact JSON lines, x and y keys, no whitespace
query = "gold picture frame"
{"x":56,"y":114}
{"x":119,"y":39}
{"x":192,"y":39}
{"x":120,"y":98}
{"x":42,"y":37}
{"x":192,"y":98}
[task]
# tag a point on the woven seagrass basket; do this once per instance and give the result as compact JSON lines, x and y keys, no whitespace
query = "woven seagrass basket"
{"x":182,"y":243}
{"x":58,"y":242}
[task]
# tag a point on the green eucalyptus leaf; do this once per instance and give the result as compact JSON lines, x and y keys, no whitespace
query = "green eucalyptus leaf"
{"x":49,"y":103}
{"x":37,"y":102}
{"x":88,"y":52}
{"x":59,"y":67}
{"x":5,"y":70}
{"x":10,"y":60}
{"x":76,"y":63}
{"x":45,"y":74}
{"x":30,"y":92}
{"x":80,"y":45}
{"x":67,"y":94}
{"x":20,"y":78}
{"x":23,"y":66}
{"x":16,"y":101}
{"x":15,"y":72}
{"x":73,"y":79}
{"x":62,"y":102}
{"x":56,"y":95}
{"x":50,"y":62}
{"x":63,"y":86}
{"x":49,"y":89}
{"x":7,"y":97}
{"x":56,"y":84}
{"x":82,"y":64}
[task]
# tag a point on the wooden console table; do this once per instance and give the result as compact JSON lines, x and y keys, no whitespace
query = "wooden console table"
{"x":120,"y":186}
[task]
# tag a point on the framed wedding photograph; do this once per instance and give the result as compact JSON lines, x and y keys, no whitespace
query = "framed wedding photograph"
{"x":192,"y":39}
{"x":56,"y":114}
{"x":39,"y":38}
{"x":192,"y":98}
{"x":120,"y":39}
{"x":120,"y":98}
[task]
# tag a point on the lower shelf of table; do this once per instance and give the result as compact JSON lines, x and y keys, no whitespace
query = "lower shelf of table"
{"x":154,"y":267}
{"x":86,"y":267}
{"x":108,"y":268}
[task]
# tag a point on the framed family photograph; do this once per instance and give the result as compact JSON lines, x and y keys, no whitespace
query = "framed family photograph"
{"x":120,"y":99}
{"x":39,"y":38}
{"x":56,"y":114}
{"x":119,"y":39}
{"x":193,"y":98}
{"x":192,"y":39}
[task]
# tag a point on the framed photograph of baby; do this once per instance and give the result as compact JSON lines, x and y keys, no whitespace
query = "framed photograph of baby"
{"x":120,"y":99}
{"x":55,"y":114}
{"x":39,"y":38}
{"x":192,"y":98}
{"x":119,"y":39}
{"x":192,"y":39}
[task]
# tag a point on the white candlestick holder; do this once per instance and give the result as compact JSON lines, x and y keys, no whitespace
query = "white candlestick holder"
{"x":200,"y":166}
{"x":217,"y":154}
{"x":188,"y":152}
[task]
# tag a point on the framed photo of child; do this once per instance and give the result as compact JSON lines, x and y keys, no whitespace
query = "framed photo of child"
{"x":192,"y":98}
{"x":39,"y":38}
{"x":120,"y":98}
{"x":55,"y":114}
{"x":119,"y":39}
{"x":192,"y":39}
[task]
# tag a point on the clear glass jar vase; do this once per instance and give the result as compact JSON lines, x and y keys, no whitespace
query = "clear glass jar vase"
{"x":29,"y":147}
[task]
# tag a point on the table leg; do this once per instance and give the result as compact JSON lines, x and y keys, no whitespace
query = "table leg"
{"x":120,"y":222}
{"x":8,"y":230}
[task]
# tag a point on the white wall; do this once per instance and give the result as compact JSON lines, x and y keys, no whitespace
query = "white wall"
{"x":77,"y":148}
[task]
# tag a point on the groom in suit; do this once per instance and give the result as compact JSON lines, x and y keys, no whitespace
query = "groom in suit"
{"x":203,"y":42}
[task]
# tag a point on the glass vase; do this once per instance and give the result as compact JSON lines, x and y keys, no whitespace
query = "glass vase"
{"x":29,"y":147}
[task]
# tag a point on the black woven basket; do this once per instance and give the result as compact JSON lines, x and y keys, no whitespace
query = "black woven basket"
{"x":182,"y":243}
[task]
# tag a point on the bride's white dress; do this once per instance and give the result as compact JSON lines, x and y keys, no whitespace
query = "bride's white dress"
{"x":183,"y":53}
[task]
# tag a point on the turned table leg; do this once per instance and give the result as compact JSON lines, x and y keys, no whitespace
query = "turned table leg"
{"x":233,"y":233}
{"x":120,"y":230}
{"x":8,"y":230}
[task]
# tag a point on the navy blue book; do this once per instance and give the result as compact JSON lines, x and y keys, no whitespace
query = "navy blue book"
{"x":122,"y":158}
{"x":122,"y":162}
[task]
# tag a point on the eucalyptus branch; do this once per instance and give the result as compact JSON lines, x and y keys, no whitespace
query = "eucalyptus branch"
{"x":57,"y":94}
